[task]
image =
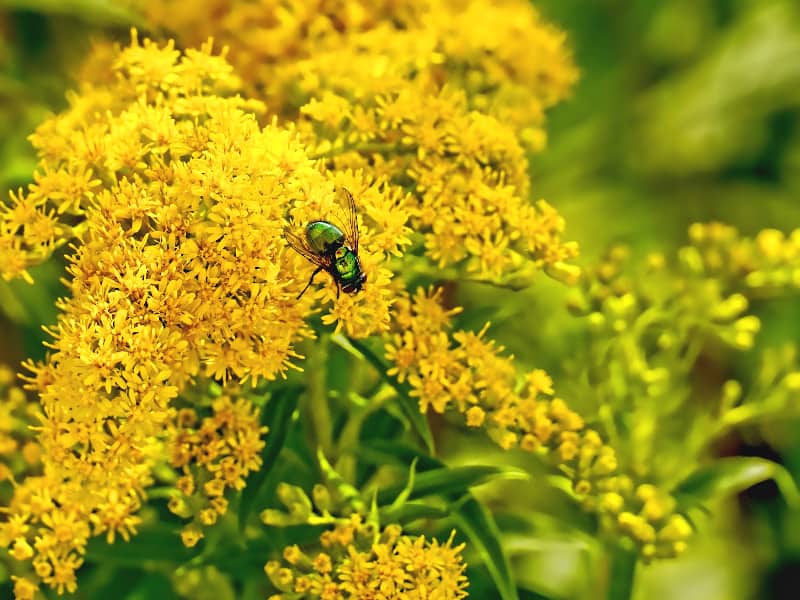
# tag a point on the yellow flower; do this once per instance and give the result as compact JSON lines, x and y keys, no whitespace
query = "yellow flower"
{"x":356,"y":564}
{"x":766,"y":263}
{"x":174,"y":199}
{"x":512,"y":64}
{"x":214,"y":454}
{"x":191,"y":535}
{"x":24,"y":588}
{"x":469,"y":174}
{"x":469,"y":373}
{"x":441,"y":93}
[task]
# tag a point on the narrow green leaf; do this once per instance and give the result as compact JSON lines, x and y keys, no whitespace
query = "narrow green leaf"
{"x":732,"y":475}
{"x":392,"y":452}
{"x":450,"y":481}
{"x":344,"y":343}
{"x":347,"y":491}
{"x":93,"y":11}
{"x":411,"y":511}
{"x":474,"y":521}
{"x":407,"y":404}
{"x":405,"y":493}
{"x":277,"y":415}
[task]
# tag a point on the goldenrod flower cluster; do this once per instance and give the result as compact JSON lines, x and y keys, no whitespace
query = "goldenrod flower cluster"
{"x":47,"y":520}
{"x":20,"y":456}
{"x":19,"y":452}
{"x":213,"y":456}
{"x":357,"y":561}
{"x":510,"y":63}
{"x":621,"y":300}
{"x":174,"y":201}
{"x":465,"y":371}
{"x":646,"y":324}
{"x":357,"y":556}
{"x":649,"y":323}
{"x":430,"y":96}
{"x":171,"y":194}
{"x":469,"y":372}
{"x":467,"y":169}
{"x":768,"y":262}
{"x":161,"y":148}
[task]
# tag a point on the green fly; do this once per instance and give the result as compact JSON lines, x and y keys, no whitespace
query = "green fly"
{"x":333,"y":248}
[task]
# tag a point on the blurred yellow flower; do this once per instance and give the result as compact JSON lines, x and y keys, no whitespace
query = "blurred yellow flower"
{"x":510,"y":62}
{"x":468,"y":372}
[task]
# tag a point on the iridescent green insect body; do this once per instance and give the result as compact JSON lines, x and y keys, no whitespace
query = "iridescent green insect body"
{"x":332,"y":250}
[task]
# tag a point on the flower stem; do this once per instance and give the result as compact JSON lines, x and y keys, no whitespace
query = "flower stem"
{"x":317,"y":407}
{"x":622,"y":570}
{"x":407,"y":404}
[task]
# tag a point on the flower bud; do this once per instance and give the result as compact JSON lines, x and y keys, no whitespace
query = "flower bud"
{"x":677,"y":529}
{"x":691,"y":260}
{"x":770,"y":243}
{"x":322,"y":497}
{"x":730,"y":308}
{"x":792,"y":381}
{"x":564,"y":272}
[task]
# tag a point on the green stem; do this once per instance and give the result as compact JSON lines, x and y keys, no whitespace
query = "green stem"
{"x":622,"y":570}
{"x":408,"y":405}
{"x":318,"y":409}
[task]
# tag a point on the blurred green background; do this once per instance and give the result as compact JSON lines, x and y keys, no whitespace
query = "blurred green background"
{"x":687,"y":110}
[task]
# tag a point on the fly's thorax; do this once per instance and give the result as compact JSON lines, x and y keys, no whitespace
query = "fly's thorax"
{"x":323,"y":237}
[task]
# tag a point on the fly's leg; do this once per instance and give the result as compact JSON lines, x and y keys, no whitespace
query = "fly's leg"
{"x":337,"y":288}
{"x":310,"y":281}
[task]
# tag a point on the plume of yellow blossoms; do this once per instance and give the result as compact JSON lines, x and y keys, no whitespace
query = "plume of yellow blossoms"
{"x":510,"y":63}
{"x":20,"y":456}
{"x":356,"y":562}
{"x":758,"y":266}
{"x":439,"y":97}
{"x":213,"y":455}
{"x":19,"y":452}
{"x":465,"y":371}
{"x":468,"y":173}
{"x":173,"y":200}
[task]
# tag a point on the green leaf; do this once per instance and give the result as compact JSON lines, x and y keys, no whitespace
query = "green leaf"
{"x":347,"y":491}
{"x":411,"y":511}
{"x":93,"y":11}
{"x":392,"y":452}
{"x":407,"y":404}
{"x":277,"y":415}
{"x":450,"y":481}
{"x":151,"y":585}
{"x":470,"y":516}
{"x":474,"y":521}
{"x":158,"y":543}
{"x":728,"y":476}
{"x":622,"y":572}
{"x":405,"y":493}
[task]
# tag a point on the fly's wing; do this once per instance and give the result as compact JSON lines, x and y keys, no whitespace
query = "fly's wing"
{"x":302,"y":248}
{"x":349,"y":220}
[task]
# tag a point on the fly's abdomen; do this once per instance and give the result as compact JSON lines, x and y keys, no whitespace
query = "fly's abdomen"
{"x":346,"y":265}
{"x":323,"y":237}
